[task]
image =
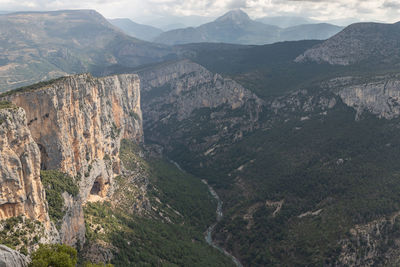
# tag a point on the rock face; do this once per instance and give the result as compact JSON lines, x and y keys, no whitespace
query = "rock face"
{"x":21,"y":191}
{"x":189,"y":86}
{"x":178,"y":94}
{"x":379,"y":95}
{"x":12,"y":258}
{"x":356,"y":43}
{"x":78,"y":123}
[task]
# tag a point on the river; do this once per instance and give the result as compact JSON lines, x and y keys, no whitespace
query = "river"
{"x":210,"y":230}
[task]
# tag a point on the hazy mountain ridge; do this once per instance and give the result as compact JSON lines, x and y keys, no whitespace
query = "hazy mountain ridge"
{"x":237,"y":27}
{"x":140,"y":31}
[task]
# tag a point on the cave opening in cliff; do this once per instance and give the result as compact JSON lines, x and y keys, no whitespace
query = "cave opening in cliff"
{"x":99,"y":187}
{"x":43,"y":157}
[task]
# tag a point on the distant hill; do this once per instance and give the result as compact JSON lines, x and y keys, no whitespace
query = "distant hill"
{"x":285,"y":21}
{"x":236,"y":27}
{"x":375,"y":42}
{"x":140,"y":31}
{"x":37,"y":46}
{"x":320,"y":31}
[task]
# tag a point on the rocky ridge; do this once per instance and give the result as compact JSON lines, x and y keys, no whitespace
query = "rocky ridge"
{"x":356,"y":43}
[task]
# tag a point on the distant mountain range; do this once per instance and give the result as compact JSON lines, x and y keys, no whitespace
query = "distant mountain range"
{"x":286,"y":21}
{"x":237,"y":27}
{"x":140,"y":31}
{"x":37,"y":46}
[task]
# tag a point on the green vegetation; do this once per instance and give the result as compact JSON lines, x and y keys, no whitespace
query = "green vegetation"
{"x":115,"y":131}
{"x":170,"y":233}
{"x":20,"y":233}
{"x":89,"y":264}
{"x":129,"y":155}
{"x":55,"y":183}
{"x":134,"y":115}
{"x":6,"y":105}
{"x":270,"y":70}
{"x":186,"y":193}
{"x":347,"y":169}
{"x":32,"y":87}
{"x":145,"y":241}
{"x":54,"y":255}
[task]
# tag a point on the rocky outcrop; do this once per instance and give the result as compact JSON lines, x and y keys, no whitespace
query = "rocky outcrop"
{"x":12,"y":258}
{"x":21,"y":191}
{"x":78,"y":123}
{"x":175,"y":93}
{"x":380,"y":98}
{"x":373,"y":244}
{"x":356,"y":43}
{"x":189,"y":86}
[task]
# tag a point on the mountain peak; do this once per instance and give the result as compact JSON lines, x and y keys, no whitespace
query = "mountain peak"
{"x":236,"y":15}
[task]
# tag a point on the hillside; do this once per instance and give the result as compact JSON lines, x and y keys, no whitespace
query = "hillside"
{"x":44,"y":45}
{"x":359,"y":43}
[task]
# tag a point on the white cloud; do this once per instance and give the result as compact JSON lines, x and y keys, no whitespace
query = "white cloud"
{"x":366,"y":10}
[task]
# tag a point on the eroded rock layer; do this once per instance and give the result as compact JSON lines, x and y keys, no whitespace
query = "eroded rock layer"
{"x":21,"y":191}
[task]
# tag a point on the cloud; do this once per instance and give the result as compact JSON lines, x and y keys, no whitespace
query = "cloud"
{"x":391,"y":4}
{"x":373,"y":10}
{"x":237,"y":4}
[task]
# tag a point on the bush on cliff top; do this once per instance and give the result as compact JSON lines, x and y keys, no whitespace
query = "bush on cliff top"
{"x":54,"y":255}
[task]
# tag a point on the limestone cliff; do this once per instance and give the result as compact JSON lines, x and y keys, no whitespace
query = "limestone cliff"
{"x":177,"y":94}
{"x":378,"y":95}
{"x":78,"y":123}
{"x":21,"y":191}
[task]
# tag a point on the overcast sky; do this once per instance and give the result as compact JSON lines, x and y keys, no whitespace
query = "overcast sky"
{"x":141,"y":10}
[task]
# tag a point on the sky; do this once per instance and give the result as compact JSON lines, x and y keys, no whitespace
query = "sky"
{"x":147,"y":10}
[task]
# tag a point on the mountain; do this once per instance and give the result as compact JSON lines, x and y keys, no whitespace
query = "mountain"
{"x":37,"y":46}
{"x":140,"y":31}
{"x":237,"y":27}
{"x":233,"y":27}
{"x":358,"y":43}
{"x":171,"y":22}
{"x":320,"y":31}
{"x":285,"y":21}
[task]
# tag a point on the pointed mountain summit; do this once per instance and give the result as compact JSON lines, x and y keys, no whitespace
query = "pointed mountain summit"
{"x":237,"y":27}
{"x":233,"y":27}
{"x":236,"y":16}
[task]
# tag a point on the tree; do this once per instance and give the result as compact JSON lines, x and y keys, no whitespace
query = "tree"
{"x":54,"y":255}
